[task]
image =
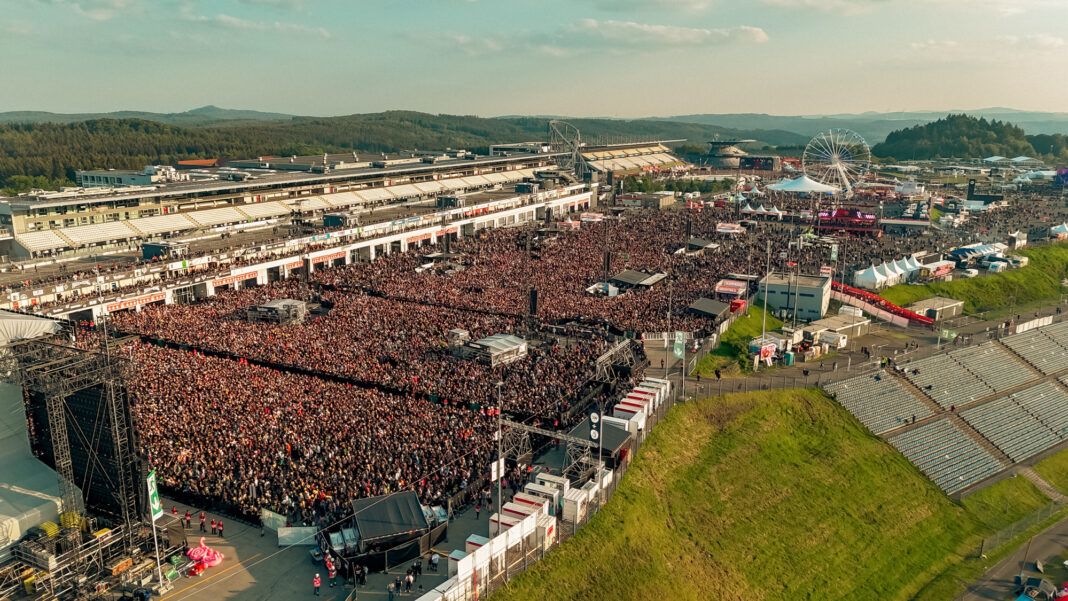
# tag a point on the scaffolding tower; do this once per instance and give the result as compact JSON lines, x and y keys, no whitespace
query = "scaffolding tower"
{"x":55,"y":372}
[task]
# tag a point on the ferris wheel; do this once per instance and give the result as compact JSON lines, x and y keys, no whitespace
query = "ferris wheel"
{"x":837,"y":157}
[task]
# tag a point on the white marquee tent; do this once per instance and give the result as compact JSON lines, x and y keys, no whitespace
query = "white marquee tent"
{"x":803,"y":185}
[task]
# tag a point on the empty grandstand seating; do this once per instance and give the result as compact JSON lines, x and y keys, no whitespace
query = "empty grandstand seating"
{"x":263,"y":210}
{"x":1041,"y":348}
{"x":945,"y":380}
{"x":374,"y":194}
{"x":315,"y":203}
{"x":947,"y":455}
{"x":217,"y":216}
{"x":405,"y":191}
{"x":879,"y":401}
{"x":162,"y":224}
{"x":1024,"y":423}
{"x":993,"y":365}
{"x":42,"y":240}
{"x":99,"y":232}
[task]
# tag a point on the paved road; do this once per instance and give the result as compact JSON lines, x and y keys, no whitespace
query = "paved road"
{"x":997,"y":584}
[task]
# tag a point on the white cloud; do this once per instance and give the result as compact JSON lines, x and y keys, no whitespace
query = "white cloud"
{"x":629,"y":33}
{"x":656,"y":5}
{"x":232,"y":22}
{"x":1036,"y":41}
{"x":934,"y":45}
{"x":99,"y":10}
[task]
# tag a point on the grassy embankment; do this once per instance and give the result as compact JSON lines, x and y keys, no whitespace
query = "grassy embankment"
{"x":1032,"y":286}
{"x":731,"y":357}
{"x":773,"y":495}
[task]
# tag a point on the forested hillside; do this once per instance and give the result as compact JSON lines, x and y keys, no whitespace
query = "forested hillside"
{"x":56,"y":150}
{"x":968,"y":137}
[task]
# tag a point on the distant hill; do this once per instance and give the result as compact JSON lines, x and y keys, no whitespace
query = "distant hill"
{"x":875,"y":126}
{"x":57,"y":150}
{"x":205,"y":115}
{"x":966,"y":136}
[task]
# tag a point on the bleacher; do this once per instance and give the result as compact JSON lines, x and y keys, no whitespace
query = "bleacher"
{"x":264,"y":210}
{"x":1024,"y":423}
{"x":217,"y":216}
{"x":946,"y":381}
{"x":993,"y":365}
{"x":99,"y":232}
{"x":1040,"y":348}
{"x":162,"y":224}
{"x":949,"y":457}
{"x":878,"y":401}
{"x":41,"y":240}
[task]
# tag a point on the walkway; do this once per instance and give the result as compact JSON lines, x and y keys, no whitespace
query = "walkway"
{"x":997,"y":584}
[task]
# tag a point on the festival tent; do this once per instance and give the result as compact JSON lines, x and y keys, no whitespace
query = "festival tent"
{"x":903,"y":266}
{"x":802,"y":185}
{"x":914,"y":265}
{"x":747,"y":208}
{"x":898,"y":273}
{"x":869,"y":278}
{"x":1061,"y":229}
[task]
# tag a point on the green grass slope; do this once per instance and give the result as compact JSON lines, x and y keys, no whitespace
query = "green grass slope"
{"x":771,"y":495}
{"x":732,"y":354}
{"x":1039,"y":281}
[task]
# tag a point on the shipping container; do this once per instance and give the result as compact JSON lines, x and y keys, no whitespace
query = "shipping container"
{"x":574,"y":505}
{"x":518,"y":510}
{"x":549,"y":494}
{"x":540,"y":503}
{"x":475,"y":542}
{"x":547,"y":531}
{"x":558,"y":482}
{"x":500,"y":523}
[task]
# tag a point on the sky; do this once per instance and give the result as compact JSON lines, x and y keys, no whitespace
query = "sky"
{"x":614,"y":58}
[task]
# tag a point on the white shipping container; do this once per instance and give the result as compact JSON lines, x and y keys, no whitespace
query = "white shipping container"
{"x":666,"y":384}
{"x":474,"y":542}
{"x":540,"y":503}
{"x":626,"y":412}
{"x":640,"y":403}
{"x":547,"y":531}
{"x":592,"y":488}
{"x":549,"y":494}
{"x":574,"y":506}
{"x":654,"y":390}
{"x":500,"y":523}
{"x":558,"y":482}
{"x":518,"y":510}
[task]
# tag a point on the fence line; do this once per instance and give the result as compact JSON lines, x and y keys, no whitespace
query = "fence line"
{"x":524,"y":551}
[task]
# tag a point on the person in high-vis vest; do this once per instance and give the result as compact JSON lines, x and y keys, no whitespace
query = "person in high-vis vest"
{"x":331,"y":571}
{"x":317,"y":582}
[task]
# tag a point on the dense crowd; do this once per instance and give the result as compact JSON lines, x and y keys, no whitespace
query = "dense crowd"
{"x":304,"y":446}
{"x":397,"y":345}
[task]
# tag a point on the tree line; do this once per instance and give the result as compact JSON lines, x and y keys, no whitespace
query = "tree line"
{"x":968,"y":137}
{"x":56,"y":150}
